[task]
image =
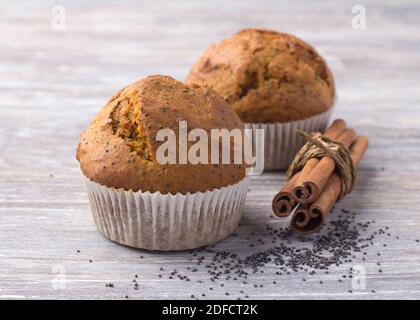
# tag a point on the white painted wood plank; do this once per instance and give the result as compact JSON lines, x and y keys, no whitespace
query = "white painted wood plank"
{"x":52,"y":83}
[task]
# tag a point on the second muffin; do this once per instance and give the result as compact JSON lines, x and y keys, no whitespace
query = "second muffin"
{"x":273,"y":81}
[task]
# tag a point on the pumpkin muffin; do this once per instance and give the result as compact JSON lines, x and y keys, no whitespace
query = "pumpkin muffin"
{"x":138,"y":201}
{"x":270,"y":78}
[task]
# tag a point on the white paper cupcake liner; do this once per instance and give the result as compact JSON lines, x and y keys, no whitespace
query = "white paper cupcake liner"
{"x":157,"y":221}
{"x":281,"y":142}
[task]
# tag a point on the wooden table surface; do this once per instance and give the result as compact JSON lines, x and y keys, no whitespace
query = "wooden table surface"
{"x":53,"y":81}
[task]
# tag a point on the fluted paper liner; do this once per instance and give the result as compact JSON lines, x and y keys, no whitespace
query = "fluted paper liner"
{"x":281,"y":142}
{"x":157,"y":221}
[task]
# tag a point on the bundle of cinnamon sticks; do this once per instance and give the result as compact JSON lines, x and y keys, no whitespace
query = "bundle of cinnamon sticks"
{"x":312,"y":192}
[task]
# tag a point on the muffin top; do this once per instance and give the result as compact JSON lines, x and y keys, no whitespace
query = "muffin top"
{"x":266,"y":76}
{"x":119,"y":147}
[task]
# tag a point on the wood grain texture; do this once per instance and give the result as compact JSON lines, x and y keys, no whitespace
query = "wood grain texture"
{"x":53,"y":82}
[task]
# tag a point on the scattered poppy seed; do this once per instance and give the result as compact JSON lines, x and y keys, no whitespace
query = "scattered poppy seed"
{"x":342,"y":242}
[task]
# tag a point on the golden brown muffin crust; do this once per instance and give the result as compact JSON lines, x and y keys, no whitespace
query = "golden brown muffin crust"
{"x":119,"y":147}
{"x":266,"y":76}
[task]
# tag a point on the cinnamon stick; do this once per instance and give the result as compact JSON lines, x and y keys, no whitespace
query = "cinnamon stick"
{"x":333,"y":132}
{"x":315,"y":180}
{"x":320,"y":209}
{"x":301,"y":217}
{"x":283,"y":202}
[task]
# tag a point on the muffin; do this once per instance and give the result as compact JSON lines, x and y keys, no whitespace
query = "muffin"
{"x":140,"y":202}
{"x":273,"y":81}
